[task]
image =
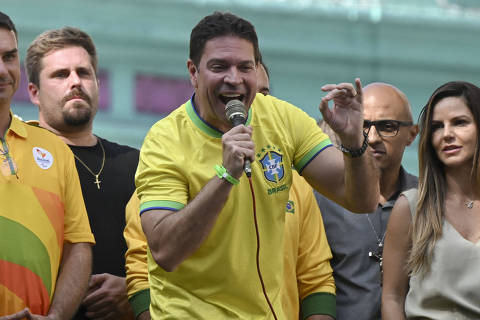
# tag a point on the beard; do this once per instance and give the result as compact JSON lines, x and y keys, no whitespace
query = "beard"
{"x":78,"y":117}
{"x":80,"y":113}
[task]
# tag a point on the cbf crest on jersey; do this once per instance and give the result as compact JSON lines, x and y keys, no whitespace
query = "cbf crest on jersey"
{"x":290,"y":207}
{"x":272,"y":163}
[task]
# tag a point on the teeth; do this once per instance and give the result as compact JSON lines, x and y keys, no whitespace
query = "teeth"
{"x":230,"y":96}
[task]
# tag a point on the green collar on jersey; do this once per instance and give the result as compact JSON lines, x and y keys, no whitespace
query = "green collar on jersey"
{"x":203,"y":125}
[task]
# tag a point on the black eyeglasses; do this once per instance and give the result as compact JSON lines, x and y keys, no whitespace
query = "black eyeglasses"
{"x":385,"y":128}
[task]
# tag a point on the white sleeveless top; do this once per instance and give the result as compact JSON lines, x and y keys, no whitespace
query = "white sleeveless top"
{"x":451,"y":289}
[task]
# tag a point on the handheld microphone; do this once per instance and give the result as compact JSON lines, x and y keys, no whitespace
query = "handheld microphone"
{"x":235,"y":113}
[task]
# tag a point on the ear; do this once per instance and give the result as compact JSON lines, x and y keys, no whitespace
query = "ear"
{"x":193,"y":71}
{"x":412,"y":134}
{"x":33,"y":92}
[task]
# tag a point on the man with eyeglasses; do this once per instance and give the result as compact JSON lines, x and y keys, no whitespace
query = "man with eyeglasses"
{"x":357,"y":240}
{"x":45,"y":247}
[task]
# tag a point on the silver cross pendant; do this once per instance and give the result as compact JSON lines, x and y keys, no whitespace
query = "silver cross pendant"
{"x":378,"y":256}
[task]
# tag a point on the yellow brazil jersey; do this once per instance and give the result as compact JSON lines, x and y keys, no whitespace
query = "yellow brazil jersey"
{"x":138,"y":289}
{"x":177,"y":159}
{"x":309,"y":286}
{"x":41,"y":207}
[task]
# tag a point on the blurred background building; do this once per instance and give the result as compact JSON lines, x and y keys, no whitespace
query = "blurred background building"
{"x":142,"y":45}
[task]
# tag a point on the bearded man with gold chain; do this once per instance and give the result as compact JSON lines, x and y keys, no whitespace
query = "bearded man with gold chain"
{"x":62,"y":71}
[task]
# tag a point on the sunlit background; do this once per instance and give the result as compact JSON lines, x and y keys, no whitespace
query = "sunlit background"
{"x":415,"y":45}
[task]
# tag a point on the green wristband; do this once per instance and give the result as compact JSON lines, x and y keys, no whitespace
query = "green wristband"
{"x":222,"y":173}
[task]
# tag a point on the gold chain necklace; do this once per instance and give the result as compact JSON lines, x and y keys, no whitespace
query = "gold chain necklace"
{"x":97,"y":182}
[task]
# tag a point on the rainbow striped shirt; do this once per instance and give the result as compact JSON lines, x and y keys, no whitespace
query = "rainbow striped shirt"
{"x":41,"y":207}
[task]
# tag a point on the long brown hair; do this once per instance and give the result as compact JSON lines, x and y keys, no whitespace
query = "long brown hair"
{"x":430,"y":212}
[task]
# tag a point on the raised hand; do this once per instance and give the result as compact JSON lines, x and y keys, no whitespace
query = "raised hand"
{"x":346,"y":116}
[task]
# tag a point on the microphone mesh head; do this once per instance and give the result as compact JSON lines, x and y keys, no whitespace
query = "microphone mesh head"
{"x":235,"y":107}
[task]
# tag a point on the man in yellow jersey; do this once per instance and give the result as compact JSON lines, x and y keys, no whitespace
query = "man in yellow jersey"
{"x":198,"y":212}
{"x":45,"y":247}
{"x":309,"y":285}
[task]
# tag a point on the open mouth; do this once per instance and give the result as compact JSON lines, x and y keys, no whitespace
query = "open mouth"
{"x":228,"y":97}
{"x":451,"y":148}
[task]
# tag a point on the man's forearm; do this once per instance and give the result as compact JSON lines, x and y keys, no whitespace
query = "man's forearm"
{"x":72,"y":281}
{"x":173,"y":237}
{"x":361,"y":184}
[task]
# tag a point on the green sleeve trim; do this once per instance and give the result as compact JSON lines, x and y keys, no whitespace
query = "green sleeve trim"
{"x":140,"y":301}
{"x":319,"y":303}
{"x":300,"y":165}
{"x":161,"y":205}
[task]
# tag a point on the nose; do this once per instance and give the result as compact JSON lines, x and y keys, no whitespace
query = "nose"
{"x":233,"y":77}
{"x":373,"y":136}
{"x":74,"y":79}
{"x":447,"y":132}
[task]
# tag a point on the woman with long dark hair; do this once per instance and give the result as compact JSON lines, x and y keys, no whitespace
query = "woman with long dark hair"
{"x":432,"y":247}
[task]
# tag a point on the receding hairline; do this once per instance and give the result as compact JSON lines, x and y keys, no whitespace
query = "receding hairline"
{"x":407,"y":109}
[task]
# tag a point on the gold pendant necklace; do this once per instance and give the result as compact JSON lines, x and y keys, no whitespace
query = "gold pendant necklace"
{"x":97,"y":182}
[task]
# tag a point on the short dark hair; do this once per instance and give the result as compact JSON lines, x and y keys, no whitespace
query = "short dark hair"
{"x":56,"y":39}
{"x":7,"y":23}
{"x":221,"y":24}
